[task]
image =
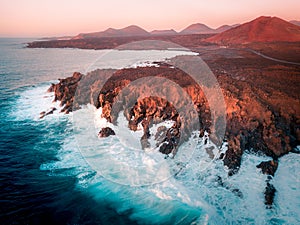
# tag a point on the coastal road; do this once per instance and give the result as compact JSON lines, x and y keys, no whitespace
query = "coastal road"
{"x":273,"y":59}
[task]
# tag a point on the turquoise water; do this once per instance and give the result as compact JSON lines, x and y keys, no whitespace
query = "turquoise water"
{"x":45,"y":179}
{"x":28,"y":194}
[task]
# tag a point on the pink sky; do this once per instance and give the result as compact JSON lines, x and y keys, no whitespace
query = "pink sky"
{"x":34,"y":18}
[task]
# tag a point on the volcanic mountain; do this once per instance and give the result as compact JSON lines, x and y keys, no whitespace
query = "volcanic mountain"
{"x":262,"y":29}
{"x":163,"y":32}
{"x":198,"y":28}
{"x":135,"y":31}
{"x":132,"y":30}
{"x":225,"y":27}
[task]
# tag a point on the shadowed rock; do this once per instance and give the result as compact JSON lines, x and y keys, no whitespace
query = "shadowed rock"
{"x":262,"y":113}
{"x":262,"y":107}
{"x":106,"y":132}
{"x":46,"y":113}
{"x":65,"y":90}
{"x":268,"y":167}
{"x":269,"y":195}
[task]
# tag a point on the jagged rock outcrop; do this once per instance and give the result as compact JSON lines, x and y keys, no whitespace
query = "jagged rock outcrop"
{"x":154,"y":110}
{"x":268,"y":167}
{"x":151,"y":110}
{"x":106,"y":132}
{"x":46,"y":113}
{"x":269,"y":195}
{"x":262,"y":108}
{"x":255,"y":121}
{"x":64,"y":91}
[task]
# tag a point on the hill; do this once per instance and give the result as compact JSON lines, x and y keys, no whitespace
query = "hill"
{"x":163,"y":32}
{"x":262,"y":29}
{"x":225,"y":27}
{"x":132,"y":30}
{"x":197,"y":28}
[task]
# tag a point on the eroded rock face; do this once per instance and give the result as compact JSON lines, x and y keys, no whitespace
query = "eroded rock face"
{"x":255,"y":120}
{"x":260,"y":118}
{"x":153,"y":110}
{"x":262,"y":108}
{"x":65,"y":90}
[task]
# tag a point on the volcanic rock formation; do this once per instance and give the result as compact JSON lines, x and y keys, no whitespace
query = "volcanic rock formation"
{"x":261,"y":96}
{"x":262,"y":29}
{"x":254,"y":120}
{"x":132,"y":30}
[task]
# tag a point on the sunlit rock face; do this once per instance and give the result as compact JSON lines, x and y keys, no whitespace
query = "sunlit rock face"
{"x":256,"y":120}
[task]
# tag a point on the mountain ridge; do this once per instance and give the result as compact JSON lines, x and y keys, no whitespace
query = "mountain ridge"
{"x":261,"y":29}
{"x":163,"y":32}
{"x":132,"y":30}
{"x":197,"y":28}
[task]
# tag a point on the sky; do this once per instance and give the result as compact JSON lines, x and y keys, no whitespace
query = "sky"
{"x":41,"y":18}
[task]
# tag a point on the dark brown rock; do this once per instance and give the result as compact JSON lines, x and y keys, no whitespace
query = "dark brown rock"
{"x":268,"y":167}
{"x":64,"y":91}
{"x":261,"y":96}
{"x":269,"y":195}
{"x":44,"y":113}
{"x":106,"y":132}
{"x":262,"y":108}
{"x":160,"y":134}
{"x":233,"y":155}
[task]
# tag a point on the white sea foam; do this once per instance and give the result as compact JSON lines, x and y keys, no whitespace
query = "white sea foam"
{"x":241,"y":197}
{"x":111,"y":159}
{"x":287,"y":184}
{"x":194,"y":188}
{"x":152,"y":204}
{"x":33,"y":101}
{"x":143,"y":64}
{"x":192,"y":191}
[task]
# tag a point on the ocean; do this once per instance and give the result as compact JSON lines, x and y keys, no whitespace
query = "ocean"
{"x":46,"y":177}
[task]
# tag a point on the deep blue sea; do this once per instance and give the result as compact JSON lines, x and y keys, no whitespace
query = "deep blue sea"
{"x":46,"y":179}
{"x":30,"y":195}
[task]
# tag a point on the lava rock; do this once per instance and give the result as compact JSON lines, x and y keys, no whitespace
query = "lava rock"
{"x":65,"y":90}
{"x":44,"y":113}
{"x":268,"y":167}
{"x":269,"y":195}
{"x":261,"y":115}
{"x":106,"y":132}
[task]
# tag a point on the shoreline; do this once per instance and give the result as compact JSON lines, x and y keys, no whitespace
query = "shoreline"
{"x":245,"y":130}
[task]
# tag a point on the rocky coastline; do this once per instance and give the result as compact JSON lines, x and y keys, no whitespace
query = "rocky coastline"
{"x":263,"y":113}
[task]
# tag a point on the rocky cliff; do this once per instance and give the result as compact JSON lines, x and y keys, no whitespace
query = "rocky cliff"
{"x":262,"y":107}
{"x":265,"y":121}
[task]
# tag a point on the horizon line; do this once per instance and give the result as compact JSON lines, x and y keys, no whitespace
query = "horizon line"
{"x":149,"y":31}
